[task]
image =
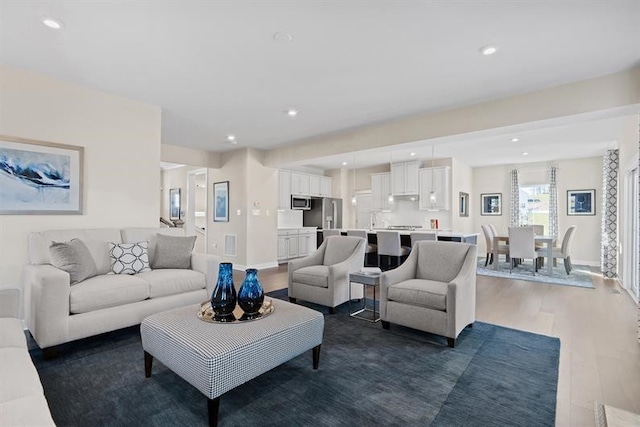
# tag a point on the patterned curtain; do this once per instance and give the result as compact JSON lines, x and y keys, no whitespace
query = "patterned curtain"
{"x":514,"y":208}
{"x":553,"y":201}
{"x":609,"y":242}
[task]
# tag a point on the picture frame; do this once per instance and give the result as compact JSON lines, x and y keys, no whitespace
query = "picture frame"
{"x":463,"y":204}
{"x":174,"y":204}
{"x":581,"y":202}
{"x":491,"y":204}
{"x":40,"y":177}
{"x":221,"y":201}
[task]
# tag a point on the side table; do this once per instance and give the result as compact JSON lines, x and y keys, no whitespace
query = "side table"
{"x":372,"y":280}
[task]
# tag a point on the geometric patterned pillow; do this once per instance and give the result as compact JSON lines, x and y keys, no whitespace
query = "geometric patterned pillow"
{"x":129,"y":258}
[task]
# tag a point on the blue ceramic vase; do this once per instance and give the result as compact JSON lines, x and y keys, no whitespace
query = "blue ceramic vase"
{"x":251,"y":295}
{"x":223,"y":299}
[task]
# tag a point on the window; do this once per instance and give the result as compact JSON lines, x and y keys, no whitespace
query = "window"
{"x":534,"y":205}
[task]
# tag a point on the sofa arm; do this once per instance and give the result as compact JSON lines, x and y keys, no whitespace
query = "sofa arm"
{"x":207,"y":265}
{"x":461,"y":295}
{"x":46,"y":304}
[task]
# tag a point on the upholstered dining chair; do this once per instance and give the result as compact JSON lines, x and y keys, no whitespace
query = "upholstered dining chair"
{"x":323,"y":276}
{"x":370,"y":249}
{"x":417,"y":236}
{"x":434,"y":290}
{"x":488,"y":239}
{"x":564,"y":251}
{"x":522,"y":245}
{"x":389,"y":246}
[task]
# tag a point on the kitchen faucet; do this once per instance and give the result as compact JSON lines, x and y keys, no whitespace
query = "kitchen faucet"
{"x":373,"y":219}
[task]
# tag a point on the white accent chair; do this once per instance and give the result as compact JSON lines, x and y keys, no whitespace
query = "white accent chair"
{"x":434,"y":290}
{"x":522,"y":245}
{"x":323,"y":277}
{"x":564,"y":251}
{"x":389,"y":246}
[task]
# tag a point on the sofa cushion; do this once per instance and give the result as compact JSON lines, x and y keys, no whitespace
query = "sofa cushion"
{"x":168,"y":281}
{"x":424,"y":293}
{"x":17,"y":370}
{"x":26,"y":411}
{"x":314,"y":275}
{"x":129,"y":258}
{"x":148,"y":234}
{"x":95,"y":239}
{"x":173,"y":251}
{"x":11,"y":333}
{"x":107,"y":291}
{"x":74,"y":258}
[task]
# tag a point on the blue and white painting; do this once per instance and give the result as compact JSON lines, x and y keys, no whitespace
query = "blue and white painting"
{"x":221,"y":201}
{"x":35,"y":180}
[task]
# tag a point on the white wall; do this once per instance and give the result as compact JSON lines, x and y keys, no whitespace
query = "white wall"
{"x":121,"y":139}
{"x":572,"y":175}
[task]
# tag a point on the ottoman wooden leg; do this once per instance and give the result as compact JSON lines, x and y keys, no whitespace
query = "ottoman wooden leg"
{"x":213,"y":405}
{"x":316,"y":356}
{"x":148,"y":362}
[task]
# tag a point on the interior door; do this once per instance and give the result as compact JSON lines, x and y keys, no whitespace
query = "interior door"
{"x":631,"y":259}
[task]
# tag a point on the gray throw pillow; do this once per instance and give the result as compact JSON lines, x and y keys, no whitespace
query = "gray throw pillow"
{"x":74,"y":258}
{"x":173,"y":251}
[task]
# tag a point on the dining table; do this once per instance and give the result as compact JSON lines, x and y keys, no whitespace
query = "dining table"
{"x":547,"y":249}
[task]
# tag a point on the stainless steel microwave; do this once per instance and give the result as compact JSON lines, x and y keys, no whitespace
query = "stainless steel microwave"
{"x":300,"y":203}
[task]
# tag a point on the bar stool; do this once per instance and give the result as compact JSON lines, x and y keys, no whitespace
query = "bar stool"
{"x":370,"y":248}
{"x":416,"y":236}
{"x":330,"y":232}
{"x":389,"y":246}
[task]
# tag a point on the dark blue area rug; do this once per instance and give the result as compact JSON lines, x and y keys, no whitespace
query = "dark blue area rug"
{"x":368,"y":376}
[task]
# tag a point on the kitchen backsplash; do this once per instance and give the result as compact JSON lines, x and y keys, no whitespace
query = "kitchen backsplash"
{"x":289,"y":219}
{"x":406,"y":213}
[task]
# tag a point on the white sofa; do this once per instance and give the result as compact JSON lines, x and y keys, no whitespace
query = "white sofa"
{"x":22,"y":401}
{"x":57,"y":312}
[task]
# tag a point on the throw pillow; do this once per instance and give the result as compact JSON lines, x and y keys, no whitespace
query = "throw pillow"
{"x":173,"y":251}
{"x":74,"y":258}
{"x":129,"y":258}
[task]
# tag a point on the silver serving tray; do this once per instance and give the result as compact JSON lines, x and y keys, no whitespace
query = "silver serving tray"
{"x":206,"y":313}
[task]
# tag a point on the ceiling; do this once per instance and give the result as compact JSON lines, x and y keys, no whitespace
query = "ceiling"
{"x":229,"y":67}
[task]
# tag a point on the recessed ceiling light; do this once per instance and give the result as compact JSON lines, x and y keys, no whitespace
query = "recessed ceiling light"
{"x":283,"y":37}
{"x":412,"y":154}
{"x":232,"y":139}
{"x":53,"y":23}
{"x":291,"y":112}
{"x":515,"y":139}
{"x":488,"y":50}
{"x":344,"y":163}
{"x":524,"y":153}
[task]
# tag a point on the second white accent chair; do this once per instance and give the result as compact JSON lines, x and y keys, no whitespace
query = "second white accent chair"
{"x":389,"y":246}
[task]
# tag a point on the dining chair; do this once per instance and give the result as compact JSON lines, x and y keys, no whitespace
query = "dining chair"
{"x":389,"y":246}
{"x":488,"y":238}
{"x":493,"y":228}
{"x":370,"y":248}
{"x":522,"y":246}
{"x":538,"y":230}
{"x":417,"y":236}
{"x":564,"y":251}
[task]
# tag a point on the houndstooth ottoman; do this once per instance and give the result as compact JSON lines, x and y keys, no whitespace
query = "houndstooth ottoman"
{"x":215,"y":358}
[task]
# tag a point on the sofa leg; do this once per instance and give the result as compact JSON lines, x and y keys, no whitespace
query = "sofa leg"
{"x":49,"y":353}
{"x":292,"y":300}
{"x":385,"y":324}
{"x":451,"y":342}
{"x":332,"y":310}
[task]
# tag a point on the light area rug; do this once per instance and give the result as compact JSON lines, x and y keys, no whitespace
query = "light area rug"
{"x":581,"y":276}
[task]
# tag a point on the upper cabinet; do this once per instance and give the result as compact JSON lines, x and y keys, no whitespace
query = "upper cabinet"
{"x":380,"y":191}
{"x":301,"y":184}
{"x":405,"y":178}
{"x":435,"y":188}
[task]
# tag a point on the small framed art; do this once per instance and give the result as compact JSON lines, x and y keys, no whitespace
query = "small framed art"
{"x":221,"y":201}
{"x":581,"y":202}
{"x":491,"y":204}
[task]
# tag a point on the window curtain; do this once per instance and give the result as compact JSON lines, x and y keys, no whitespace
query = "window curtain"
{"x":553,"y":201}
{"x":514,"y":208}
{"x":609,"y":228}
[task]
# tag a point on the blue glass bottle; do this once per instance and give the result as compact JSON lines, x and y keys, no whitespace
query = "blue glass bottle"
{"x":251,"y":295}
{"x":223,"y":299}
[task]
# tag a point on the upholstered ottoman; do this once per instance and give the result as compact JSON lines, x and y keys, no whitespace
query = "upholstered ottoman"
{"x":215,"y":358}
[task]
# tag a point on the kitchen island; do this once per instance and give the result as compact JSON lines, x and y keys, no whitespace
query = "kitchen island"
{"x":405,"y":235}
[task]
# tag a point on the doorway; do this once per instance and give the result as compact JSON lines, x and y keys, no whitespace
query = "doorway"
{"x":631,"y":256}
{"x":196,"y":212}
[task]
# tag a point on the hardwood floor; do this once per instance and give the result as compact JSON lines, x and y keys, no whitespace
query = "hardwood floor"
{"x":599,"y":355}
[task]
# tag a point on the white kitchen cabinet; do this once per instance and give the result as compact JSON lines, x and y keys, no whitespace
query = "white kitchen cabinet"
{"x":405,"y":178}
{"x":284,"y":189}
{"x":380,"y":191}
{"x":325,"y":186}
{"x":299,"y":184}
{"x":438,"y":180}
{"x":306,"y":242}
{"x":314,"y":185}
{"x":296,"y":242}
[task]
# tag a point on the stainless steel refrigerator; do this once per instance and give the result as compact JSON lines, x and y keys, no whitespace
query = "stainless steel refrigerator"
{"x":325,"y":213}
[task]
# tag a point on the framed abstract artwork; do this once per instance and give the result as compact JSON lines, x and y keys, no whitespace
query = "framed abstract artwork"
{"x":221,"y":201}
{"x":581,"y":202}
{"x":38,"y":177}
{"x":491,"y":204}
{"x":174,"y":203}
